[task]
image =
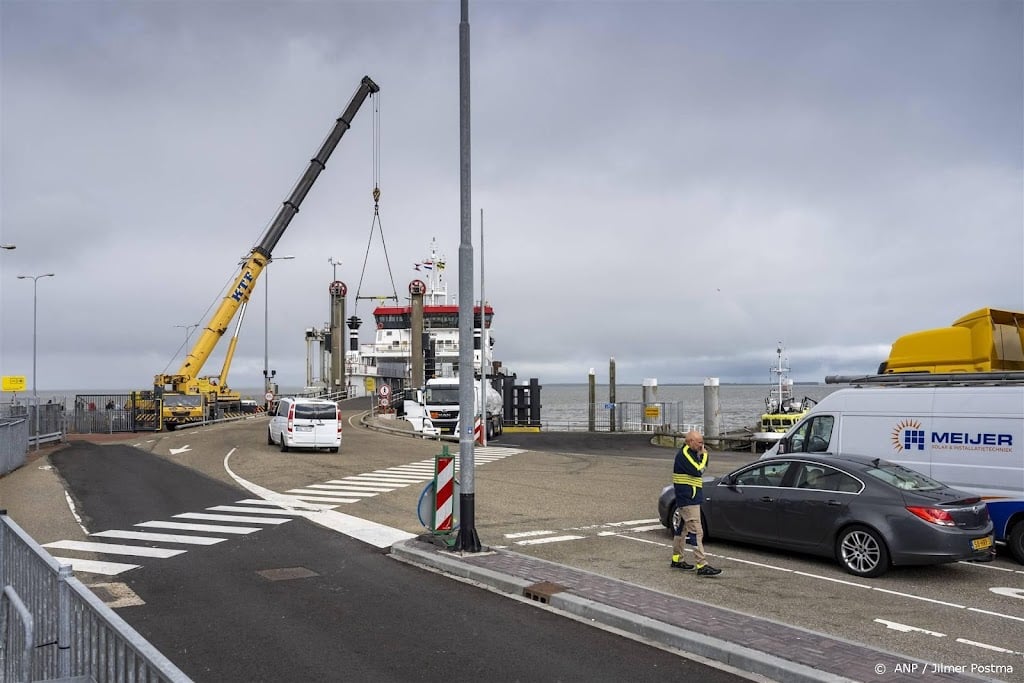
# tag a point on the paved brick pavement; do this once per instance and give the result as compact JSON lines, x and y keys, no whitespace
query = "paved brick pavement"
{"x":745,"y":642}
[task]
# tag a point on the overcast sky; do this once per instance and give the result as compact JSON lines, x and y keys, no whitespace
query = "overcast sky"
{"x":677,"y":185}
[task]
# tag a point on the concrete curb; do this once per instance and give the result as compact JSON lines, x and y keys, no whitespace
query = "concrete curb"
{"x":687,"y":642}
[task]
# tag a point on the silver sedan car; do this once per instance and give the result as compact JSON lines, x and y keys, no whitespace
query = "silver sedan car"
{"x":867,"y":513}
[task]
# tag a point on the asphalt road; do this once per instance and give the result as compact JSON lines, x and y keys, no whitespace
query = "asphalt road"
{"x":588,"y":501}
{"x":295,"y":601}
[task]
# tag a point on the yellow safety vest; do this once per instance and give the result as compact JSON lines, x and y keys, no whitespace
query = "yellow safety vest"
{"x":689,"y":480}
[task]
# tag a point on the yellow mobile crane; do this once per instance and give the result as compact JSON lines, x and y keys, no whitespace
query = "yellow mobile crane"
{"x":186,"y":397}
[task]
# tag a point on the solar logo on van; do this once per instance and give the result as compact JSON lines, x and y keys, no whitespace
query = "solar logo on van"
{"x":907,"y":436}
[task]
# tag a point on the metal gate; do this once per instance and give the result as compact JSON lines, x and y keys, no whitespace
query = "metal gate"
{"x":138,"y":411}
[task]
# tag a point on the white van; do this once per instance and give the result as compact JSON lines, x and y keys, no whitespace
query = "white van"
{"x":305,"y":423}
{"x":970,"y":437}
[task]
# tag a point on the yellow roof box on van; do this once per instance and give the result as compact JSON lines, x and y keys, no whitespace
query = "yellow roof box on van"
{"x":983,"y":341}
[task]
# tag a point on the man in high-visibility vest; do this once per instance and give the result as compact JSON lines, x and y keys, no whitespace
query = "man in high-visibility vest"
{"x":690,"y":463}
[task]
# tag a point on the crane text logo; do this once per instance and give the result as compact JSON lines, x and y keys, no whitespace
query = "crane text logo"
{"x":242,"y":290}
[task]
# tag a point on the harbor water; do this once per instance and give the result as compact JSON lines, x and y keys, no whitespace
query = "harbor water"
{"x":565,"y":407}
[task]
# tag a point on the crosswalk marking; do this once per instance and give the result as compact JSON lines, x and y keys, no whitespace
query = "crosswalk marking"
{"x":96,"y":566}
{"x":113,"y":549}
{"x":161,"y":538}
{"x":357,"y":486}
{"x":232,"y":518}
{"x":255,"y":511}
{"x":312,"y":500}
{"x":212,"y":528}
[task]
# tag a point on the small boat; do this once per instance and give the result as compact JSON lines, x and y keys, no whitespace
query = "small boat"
{"x":782,"y":410}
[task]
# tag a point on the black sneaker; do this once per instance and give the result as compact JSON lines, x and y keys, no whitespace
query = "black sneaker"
{"x":708,"y":570}
{"x":681,"y":564}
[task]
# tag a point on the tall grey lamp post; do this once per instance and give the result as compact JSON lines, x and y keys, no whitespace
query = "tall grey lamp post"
{"x":266,"y":327}
{"x":35,"y":396}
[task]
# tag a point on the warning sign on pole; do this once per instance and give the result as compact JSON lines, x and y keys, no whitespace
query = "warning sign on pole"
{"x":444,"y":488}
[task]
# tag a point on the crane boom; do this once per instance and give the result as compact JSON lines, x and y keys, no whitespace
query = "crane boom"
{"x":187,"y":380}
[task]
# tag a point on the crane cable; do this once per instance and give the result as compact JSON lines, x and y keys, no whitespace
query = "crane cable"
{"x":375,"y":223}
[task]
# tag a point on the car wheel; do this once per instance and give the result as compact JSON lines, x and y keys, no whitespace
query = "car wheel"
{"x":1015,"y":541}
{"x":862,"y":552}
{"x":284,"y":444}
{"x":675,"y":518}
{"x":334,"y":449}
{"x":704,"y":526}
{"x":270,"y":437}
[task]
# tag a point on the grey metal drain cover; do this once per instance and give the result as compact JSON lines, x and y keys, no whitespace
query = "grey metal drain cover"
{"x":286,"y":573}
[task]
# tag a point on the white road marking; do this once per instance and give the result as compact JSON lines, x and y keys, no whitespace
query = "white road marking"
{"x":232,"y":518}
{"x":635,"y":521}
{"x":1009,"y":592}
{"x":320,"y":496}
{"x":527,"y":534}
{"x":987,"y":646}
{"x":74,"y":513}
{"x":994,"y":614}
{"x":904,"y":628}
{"x":358,"y":486}
{"x":346,"y":490}
{"x":211,"y":528}
{"x":161,"y":538}
{"x":252,"y":510}
{"x":178,"y":451}
{"x":113,"y":549}
{"x":553,"y":539}
{"x":96,"y":566}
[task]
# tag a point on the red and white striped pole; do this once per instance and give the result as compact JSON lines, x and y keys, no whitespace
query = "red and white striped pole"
{"x":444,"y":491}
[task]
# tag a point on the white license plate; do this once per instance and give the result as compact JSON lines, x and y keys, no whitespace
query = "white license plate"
{"x":304,"y":428}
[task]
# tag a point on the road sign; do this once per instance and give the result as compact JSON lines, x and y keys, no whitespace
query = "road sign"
{"x":369,"y":384}
{"x":384,"y":390}
{"x":383,"y":402}
{"x":269,"y":395}
{"x":14,"y":382}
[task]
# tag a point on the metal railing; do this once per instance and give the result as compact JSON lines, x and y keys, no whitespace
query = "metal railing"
{"x":53,"y":627}
{"x":13,"y":443}
{"x":627,"y":416}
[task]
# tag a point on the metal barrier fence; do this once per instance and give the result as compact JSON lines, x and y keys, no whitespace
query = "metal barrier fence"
{"x":45,"y":421}
{"x":53,"y":627}
{"x":13,"y":443}
{"x":627,"y":416}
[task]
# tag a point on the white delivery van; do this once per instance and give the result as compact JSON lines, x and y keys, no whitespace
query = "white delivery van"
{"x":305,"y":423}
{"x":968,"y":436}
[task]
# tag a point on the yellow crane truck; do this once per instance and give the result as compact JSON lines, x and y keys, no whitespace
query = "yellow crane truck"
{"x":987,"y":340}
{"x":185,"y":397}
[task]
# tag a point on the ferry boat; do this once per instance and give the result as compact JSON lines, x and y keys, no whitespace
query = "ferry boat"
{"x":782,"y":410}
{"x":388,"y":358}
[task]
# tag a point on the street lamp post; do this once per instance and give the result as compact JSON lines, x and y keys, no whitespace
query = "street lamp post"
{"x":35,"y":396}
{"x":266,"y":328}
